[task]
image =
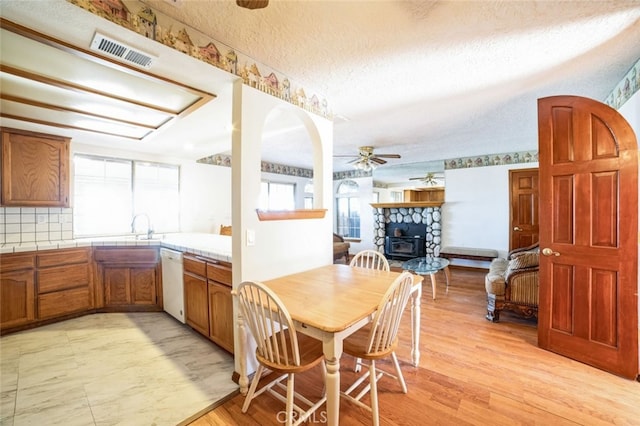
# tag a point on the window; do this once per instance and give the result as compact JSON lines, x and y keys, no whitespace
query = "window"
{"x":308,"y":195}
{"x":348,"y":209}
{"x":108,"y":192}
{"x":396,"y":196}
{"x":277,"y":196}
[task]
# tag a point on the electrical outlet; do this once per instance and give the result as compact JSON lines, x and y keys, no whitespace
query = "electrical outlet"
{"x":41,"y":218}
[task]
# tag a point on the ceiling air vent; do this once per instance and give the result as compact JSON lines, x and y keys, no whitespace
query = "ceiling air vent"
{"x":115,"y":49}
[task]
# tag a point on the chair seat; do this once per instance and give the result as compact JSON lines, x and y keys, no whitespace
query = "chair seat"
{"x":357,"y":345}
{"x":310,"y":354}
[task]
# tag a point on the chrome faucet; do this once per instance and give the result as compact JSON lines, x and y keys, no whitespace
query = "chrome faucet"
{"x":149,"y":227}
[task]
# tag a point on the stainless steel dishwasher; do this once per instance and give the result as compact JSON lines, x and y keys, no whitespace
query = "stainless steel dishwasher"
{"x":172,"y":283}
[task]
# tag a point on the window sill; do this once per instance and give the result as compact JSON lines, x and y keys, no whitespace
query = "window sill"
{"x":291,"y":214}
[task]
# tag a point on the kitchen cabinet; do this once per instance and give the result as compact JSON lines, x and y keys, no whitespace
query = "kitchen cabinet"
{"x":128,"y":278}
{"x":64,"y":282}
{"x":196,"y":296}
{"x":17,"y":290}
{"x":38,"y":287}
{"x":208,"y":300}
{"x":35,"y":169}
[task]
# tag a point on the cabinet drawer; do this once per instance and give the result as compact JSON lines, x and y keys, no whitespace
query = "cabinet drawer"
{"x":63,"y":302}
{"x":63,"y":277}
{"x":62,"y":257}
{"x":15,"y":262}
{"x":126,"y":255}
{"x":194,"y":266}
{"x":219,"y":272}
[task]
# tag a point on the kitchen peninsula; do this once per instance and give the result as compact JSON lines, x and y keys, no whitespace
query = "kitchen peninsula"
{"x":44,"y":282}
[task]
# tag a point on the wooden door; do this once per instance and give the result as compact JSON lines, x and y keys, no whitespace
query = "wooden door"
{"x":524,"y":224}
{"x":588,"y":234}
{"x":35,"y":169}
{"x":17,"y":298}
{"x":221,"y":315}
{"x":116,"y":286}
{"x":143,"y":285}
{"x":196,"y":303}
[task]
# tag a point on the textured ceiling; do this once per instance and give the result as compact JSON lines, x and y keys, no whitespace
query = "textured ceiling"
{"x":429,"y":80}
{"x":433,"y":79}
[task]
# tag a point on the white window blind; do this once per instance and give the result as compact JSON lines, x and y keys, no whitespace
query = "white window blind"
{"x":108,"y":193}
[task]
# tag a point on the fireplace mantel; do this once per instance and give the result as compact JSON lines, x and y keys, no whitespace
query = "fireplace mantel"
{"x":407,"y":204}
{"x":419,"y":197}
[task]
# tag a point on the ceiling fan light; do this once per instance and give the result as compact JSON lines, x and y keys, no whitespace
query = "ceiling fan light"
{"x":253,"y":4}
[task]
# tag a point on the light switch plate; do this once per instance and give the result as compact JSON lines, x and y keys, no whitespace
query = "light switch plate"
{"x":41,"y":218}
{"x":251,"y":237}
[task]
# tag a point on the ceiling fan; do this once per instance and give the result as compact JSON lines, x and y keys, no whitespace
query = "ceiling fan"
{"x":430,"y":179}
{"x":366,"y":159}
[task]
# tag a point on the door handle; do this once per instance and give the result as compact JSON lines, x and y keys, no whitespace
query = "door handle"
{"x":548,"y":252}
{"x":517,"y":228}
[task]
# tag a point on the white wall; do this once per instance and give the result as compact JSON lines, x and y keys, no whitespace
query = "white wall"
{"x":282,"y":246}
{"x":476,"y":208}
{"x":205,"y":197}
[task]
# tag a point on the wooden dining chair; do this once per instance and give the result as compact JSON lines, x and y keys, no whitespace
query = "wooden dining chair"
{"x":371,"y":259}
{"x":378,"y":340}
{"x":280,"y":349}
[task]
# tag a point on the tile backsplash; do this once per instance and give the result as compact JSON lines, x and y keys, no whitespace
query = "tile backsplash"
{"x":33,"y":224}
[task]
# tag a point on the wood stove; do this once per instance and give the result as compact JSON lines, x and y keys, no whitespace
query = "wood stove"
{"x":406,"y":247}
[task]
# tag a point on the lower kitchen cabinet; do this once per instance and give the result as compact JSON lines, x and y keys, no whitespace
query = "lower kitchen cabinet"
{"x":64,"y":282}
{"x":42,"y":286}
{"x":196,"y":302}
{"x":221,"y":315}
{"x":129,"y":286}
{"x":207,"y":298}
{"x":17,"y":290}
{"x":128,"y":278}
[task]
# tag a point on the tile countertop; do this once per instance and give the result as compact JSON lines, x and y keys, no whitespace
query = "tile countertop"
{"x":214,"y":246}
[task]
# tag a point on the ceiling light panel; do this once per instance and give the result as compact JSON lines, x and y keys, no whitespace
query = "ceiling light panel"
{"x":65,"y":119}
{"x":31,"y":91}
{"x":64,"y":66}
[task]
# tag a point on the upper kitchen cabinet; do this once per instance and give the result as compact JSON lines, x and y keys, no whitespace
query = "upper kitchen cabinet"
{"x":35,"y":169}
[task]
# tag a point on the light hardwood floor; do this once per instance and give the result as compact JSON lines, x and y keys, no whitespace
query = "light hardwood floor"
{"x":471,"y":372}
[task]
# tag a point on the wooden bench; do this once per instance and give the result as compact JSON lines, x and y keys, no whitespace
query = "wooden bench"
{"x":468,"y":253}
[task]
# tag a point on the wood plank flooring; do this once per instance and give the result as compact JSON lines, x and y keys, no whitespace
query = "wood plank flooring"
{"x":471,"y":372}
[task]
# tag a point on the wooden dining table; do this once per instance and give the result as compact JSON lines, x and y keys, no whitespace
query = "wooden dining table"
{"x":330,"y":303}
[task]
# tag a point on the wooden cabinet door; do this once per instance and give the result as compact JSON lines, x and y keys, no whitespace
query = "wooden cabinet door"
{"x":143,"y":286}
{"x":17,"y":298}
{"x":35,"y":169}
{"x":221,"y":315}
{"x":196,"y":303}
{"x":116,"y":286}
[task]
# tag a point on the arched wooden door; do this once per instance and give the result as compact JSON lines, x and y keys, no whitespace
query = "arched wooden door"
{"x":588,"y":234}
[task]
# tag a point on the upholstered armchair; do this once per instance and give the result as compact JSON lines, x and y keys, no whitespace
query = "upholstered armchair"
{"x":512,"y":283}
{"x":340,"y":248}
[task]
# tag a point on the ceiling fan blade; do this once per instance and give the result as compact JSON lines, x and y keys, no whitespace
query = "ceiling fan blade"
{"x":378,"y":160}
{"x":353,"y":161}
{"x":416,"y":178}
{"x":388,"y":155}
{"x":347,"y":155}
